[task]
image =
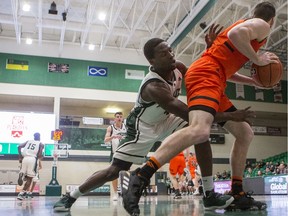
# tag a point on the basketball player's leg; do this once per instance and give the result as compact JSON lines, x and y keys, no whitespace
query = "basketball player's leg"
{"x":243,"y":136}
{"x":115,"y":189}
{"x":28,"y":166}
{"x":96,"y":180}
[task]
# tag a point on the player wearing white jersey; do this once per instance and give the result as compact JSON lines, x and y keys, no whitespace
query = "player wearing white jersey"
{"x":29,"y":154}
{"x":157,"y":113}
{"x":114,"y":134}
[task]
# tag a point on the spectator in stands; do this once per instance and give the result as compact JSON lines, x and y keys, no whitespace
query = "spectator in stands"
{"x":272,"y":168}
{"x":283,"y":168}
{"x":248,"y":173}
{"x":277,"y":171}
{"x":267,"y":171}
{"x":248,"y":164}
{"x":259,"y":173}
{"x":225,"y":175}
{"x":267,"y":165}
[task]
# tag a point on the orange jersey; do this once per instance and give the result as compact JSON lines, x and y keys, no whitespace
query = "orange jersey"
{"x":177,"y":164}
{"x":225,"y":53}
{"x":192,"y":162}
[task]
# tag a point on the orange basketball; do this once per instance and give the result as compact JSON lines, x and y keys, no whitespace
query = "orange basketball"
{"x":268,"y":75}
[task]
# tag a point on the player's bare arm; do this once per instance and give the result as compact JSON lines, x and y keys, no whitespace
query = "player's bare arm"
{"x":22,"y":145}
{"x":181,"y":67}
{"x":108,"y":138}
{"x":41,"y":148}
{"x":252,"y":29}
{"x":160,"y":93}
{"x":212,"y":34}
{"x":239,"y":116}
{"x":242,"y":79}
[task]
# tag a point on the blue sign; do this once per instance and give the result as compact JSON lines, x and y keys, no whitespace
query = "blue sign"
{"x":97,"y":71}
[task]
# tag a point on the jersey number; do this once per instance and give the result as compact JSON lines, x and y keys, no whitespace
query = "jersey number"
{"x":31,"y":146}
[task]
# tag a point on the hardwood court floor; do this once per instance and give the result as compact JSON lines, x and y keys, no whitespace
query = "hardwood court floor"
{"x":149,"y":206}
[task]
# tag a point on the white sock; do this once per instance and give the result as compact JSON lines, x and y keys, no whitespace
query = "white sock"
{"x":208,"y":183}
{"x":76,"y":193}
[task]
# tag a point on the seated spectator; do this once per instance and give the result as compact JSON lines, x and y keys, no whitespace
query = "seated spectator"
{"x":248,"y":165}
{"x":259,"y":173}
{"x":277,"y":171}
{"x":272,"y":168}
{"x":225,"y":175}
{"x":267,"y":172}
{"x":248,"y":173}
{"x":283,"y":168}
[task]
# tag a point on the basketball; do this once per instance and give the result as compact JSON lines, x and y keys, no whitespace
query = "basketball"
{"x":268,"y":75}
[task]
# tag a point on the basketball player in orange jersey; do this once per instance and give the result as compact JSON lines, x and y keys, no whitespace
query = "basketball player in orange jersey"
{"x":205,"y":84}
{"x":176,"y":167}
{"x":192,"y":166}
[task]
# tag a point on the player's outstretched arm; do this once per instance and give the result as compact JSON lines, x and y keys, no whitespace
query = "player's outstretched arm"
{"x":238,"y":116}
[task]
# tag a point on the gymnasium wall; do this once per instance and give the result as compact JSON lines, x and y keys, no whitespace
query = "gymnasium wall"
{"x":115,"y":80}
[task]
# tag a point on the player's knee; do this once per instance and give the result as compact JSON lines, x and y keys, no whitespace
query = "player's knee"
{"x":198,"y":134}
{"x":112,"y":173}
{"x":203,"y":134}
{"x":246,"y":134}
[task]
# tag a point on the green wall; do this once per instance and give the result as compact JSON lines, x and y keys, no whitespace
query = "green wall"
{"x":77,"y":77}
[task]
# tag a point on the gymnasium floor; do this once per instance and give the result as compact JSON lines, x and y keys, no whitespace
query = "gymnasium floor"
{"x":149,"y":206}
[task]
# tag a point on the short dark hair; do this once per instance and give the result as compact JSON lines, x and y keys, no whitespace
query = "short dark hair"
{"x":265,"y":11}
{"x":118,"y":113}
{"x":149,"y":47}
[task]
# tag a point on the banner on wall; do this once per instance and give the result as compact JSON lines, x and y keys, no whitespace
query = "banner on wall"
{"x":97,"y":71}
{"x":278,"y":93}
{"x":134,"y":74}
{"x":13,"y":64}
{"x":58,"y":68}
{"x":259,"y":94}
{"x":240,"y":91}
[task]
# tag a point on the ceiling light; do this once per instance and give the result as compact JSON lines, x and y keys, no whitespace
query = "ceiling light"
{"x":29,"y":41}
{"x":26,"y":7}
{"x":112,"y":110}
{"x":53,"y":9}
{"x":102,"y":16}
{"x":91,"y":47}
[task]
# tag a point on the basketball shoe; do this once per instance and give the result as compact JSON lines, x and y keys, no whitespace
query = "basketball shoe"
{"x":20,"y":179}
{"x":29,"y":195}
{"x":177,"y":196}
{"x":64,"y":204}
{"x":244,"y":201}
{"x":214,"y":200}
{"x":132,"y":187}
{"x":21,"y":196}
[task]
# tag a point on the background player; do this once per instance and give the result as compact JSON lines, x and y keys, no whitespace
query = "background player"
{"x":29,"y":153}
{"x":114,"y":134}
{"x":176,"y":168}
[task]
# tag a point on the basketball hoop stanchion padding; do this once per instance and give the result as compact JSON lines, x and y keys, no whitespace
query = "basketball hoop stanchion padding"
{"x":54,"y":189}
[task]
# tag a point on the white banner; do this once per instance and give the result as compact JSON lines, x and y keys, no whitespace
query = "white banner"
{"x":240,"y":91}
